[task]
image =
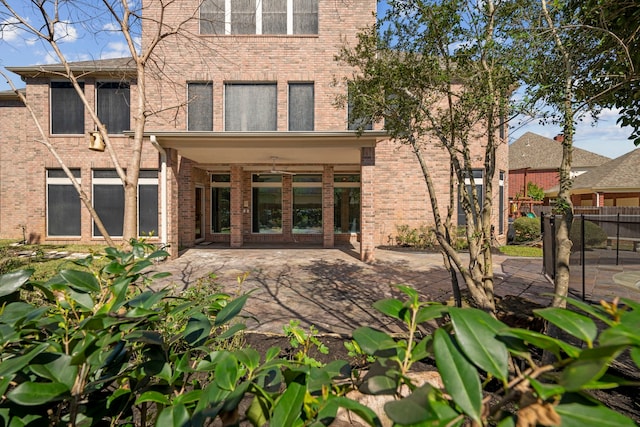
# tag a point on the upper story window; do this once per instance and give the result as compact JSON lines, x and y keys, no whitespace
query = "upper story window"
{"x":353,"y":121}
{"x":200,"y":106}
{"x":113,"y":104}
{"x":67,"y":109}
{"x":259,"y":17}
{"x":250,"y":107}
{"x":301,"y":106}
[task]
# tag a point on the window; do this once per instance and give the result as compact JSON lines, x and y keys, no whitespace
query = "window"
{"x":220,"y":203}
{"x":67,"y":109}
{"x":346,"y":203}
{"x":259,"y":17}
{"x":354,"y":122}
{"x":501,"y":206}
{"x":114,"y":106}
{"x":274,"y":16}
{"x":301,"y":106}
{"x":108,"y":201}
{"x":307,"y":204}
{"x":63,"y":204}
{"x":477,"y":179}
{"x":305,"y":16}
{"x":200,"y":106}
{"x":250,"y":107}
{"x":267,"y":204}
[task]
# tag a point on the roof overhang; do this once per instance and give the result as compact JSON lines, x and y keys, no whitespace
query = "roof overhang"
{"x":290,"y":148}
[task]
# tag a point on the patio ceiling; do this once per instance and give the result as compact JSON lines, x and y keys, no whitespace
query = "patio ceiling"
{"x":282,"y":148}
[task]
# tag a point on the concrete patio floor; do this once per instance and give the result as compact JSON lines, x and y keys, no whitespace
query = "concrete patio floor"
{"x":333,"y":290}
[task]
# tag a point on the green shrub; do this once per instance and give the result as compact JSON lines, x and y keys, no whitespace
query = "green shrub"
{"x":594,"y":235}
{"x":420,"y":238}
{"x":526,"y":229}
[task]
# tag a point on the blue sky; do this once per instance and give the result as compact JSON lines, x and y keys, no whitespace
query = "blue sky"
{"x":16,"y":49}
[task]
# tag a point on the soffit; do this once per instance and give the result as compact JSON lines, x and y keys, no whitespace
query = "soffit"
{"x":280,"y":148}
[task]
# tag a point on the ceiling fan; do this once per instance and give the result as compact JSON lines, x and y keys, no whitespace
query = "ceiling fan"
{"x":277,"y":171}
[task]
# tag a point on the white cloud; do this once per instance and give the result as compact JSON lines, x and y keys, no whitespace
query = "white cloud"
{"x":65,"y":32}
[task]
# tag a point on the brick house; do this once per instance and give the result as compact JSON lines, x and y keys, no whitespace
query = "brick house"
{"x":614,"y":183}
{"x":535,"y":158}
{"x":256,"y":153}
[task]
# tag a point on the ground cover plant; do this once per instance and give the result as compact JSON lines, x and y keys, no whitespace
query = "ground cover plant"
{"x":102,"y":348}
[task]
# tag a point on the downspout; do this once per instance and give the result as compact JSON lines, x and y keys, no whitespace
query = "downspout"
{"x":163,"y":189}
{"x":597,"y":199}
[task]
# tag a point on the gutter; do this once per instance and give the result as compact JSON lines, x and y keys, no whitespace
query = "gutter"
{"x":163,"y":188}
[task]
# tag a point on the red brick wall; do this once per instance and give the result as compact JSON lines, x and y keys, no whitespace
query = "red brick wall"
{"x":545,"y":179}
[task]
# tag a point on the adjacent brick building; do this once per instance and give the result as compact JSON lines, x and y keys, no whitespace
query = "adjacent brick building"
{"x":247,"y":145}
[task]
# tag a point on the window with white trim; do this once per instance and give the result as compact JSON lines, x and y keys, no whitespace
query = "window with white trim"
{"x":501,"y":203}
{"x":478,"y":175}
{"x":63,"y":204}
{"x":307,"y":204}
{"x":67,"y":109}
{"x":267,"y":203}
{"x":221,"y":203}
{"x":113,"y":105}
{"x":108,"y":201}
{"x":346,"y":203}
{"x":250,"y":107}
{"x":259,"y":17}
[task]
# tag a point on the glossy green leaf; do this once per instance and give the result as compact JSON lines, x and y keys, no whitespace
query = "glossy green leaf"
{"x":420,"y":408}
{"x":635,"y":356}
{"x":16,"y":312}
{"x":331,"y":409}
{"x":544,"y":342}
{"x":258,"y":412}
{"x":32,"y":394}
{"x":173,"y":416}
{"x":288,"y":407}
{"x":140,"y":266}
{"x":231,"y":331}
{"x":620,"y":334}
{"x":197,"y":330}
{"x":226,"y":372}
{"x":57,"y":369}
{"x":476,"y":333}
{"x":81,"y":280}
{"x":249,"y":357}
{"x":372,"y":341}
{"x":459,"y":376}
{"x":116,"y":394}
{"x":430,"y":312}
{"x":271,"y":353}
{"x":573,"y":323}
{"x":577,"y":415}
{"x":420,"y":350}
{"x":188,"y":397}
{"x":546,"y":390}
{"x":393,"y":308}
{"x":147,"y":299}
{"x":82,"y":299}
{"x":114,"y":268}
{"x":11,"y":282}
{"x":590,"y":366}
{"x":231,"y":310}
{"x":153,"y":396}
{"x":12,"y":365}
{"x":595,"y":311}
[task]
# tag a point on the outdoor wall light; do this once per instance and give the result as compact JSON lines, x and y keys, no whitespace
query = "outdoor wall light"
{"x":95,"y":141}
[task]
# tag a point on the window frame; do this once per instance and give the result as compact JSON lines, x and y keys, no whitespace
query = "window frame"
{"x":63,"y":181}
{"x":338,"y":185}
{"x":216,"y":185}
{"x":315,"y":184}
{"x":271,"y":184}
{"x":127,"y":102}
{"x":292,"y":23}
{"x":52,"y":109}
{"x":246,"y":107}
{"x":191,"y":105}
{"x":308,"y":110}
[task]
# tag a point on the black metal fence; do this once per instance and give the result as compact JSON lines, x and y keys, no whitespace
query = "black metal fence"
{"x":602,"y":236}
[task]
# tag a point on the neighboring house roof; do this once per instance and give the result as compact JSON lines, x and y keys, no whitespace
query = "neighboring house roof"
{"x":113,"y":66}
{"x":619,"y":174}
{"x":11,"y":95}
{"x":537,"y":152}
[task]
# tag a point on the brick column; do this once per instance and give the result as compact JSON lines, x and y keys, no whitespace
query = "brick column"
{"x":237,"y":207}
{"x":173,"y":232}
{"x":327,"y":207}
{"x":367,"y":209}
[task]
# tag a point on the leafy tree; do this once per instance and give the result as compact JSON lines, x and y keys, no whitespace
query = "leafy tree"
{"x":570,"y":58}
{"x":535,"y":192}
{"x":413,"y":72}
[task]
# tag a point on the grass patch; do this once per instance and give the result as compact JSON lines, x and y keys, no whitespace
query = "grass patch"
{"x":524,"y":251}
{"x":39,"y":257}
